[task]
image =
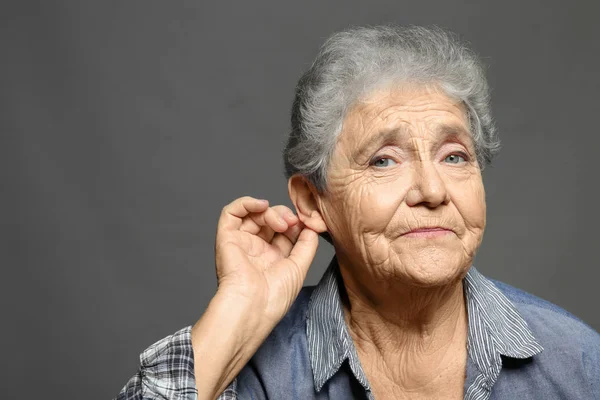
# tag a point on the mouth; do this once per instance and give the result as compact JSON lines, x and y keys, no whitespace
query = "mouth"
{"x":430,"y":232}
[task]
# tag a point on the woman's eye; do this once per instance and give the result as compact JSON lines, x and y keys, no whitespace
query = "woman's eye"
{"x":455,"y":159}
{"x":383,"y":162}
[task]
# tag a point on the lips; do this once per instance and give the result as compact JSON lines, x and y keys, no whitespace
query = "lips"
{"x":433,"y":231}
{"x":435,"y":228}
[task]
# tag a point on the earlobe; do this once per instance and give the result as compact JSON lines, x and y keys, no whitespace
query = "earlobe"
{"x":304,"y":196}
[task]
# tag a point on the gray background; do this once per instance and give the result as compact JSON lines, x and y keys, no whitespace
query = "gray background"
{"x":127,"y":125}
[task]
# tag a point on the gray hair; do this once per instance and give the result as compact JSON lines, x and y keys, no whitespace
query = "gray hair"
{"x":354,"y":62}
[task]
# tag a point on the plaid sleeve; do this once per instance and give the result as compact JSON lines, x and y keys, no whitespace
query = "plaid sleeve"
{"x":167,"y":372}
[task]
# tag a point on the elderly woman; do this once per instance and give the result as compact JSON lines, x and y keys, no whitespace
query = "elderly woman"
{"x":390,"y":131}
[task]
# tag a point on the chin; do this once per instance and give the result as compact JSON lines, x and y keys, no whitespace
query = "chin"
{"x":431,"y":268}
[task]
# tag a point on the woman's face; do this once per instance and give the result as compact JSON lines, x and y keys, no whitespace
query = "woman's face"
{"x":405,"y":161}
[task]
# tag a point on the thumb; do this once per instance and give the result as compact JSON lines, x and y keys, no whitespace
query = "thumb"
{"x":304,"y":250}
{"x":290,"y":273}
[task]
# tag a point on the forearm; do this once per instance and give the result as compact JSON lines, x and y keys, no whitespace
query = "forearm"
{"x":224,"y":340}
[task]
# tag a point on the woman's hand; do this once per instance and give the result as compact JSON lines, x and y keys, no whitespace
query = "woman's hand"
{"x":262,"y":256}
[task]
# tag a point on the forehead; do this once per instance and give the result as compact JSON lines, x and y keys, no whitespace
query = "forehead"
{"x":412,"y":110}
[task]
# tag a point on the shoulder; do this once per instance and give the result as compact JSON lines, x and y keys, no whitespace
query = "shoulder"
{"x":557,"y":330}
{"x":569,"y":364}
{"x":534,"y":309}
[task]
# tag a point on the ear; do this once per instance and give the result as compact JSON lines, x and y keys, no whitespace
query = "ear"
{"x":305,"y":198}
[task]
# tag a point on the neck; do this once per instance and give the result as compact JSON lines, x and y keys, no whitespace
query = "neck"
{"x":412,"y":309}
{"x":423,"y":327}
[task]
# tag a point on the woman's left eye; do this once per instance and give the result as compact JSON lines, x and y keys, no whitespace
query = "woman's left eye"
{"x":383,"y":162}
{"x":455,"y":159}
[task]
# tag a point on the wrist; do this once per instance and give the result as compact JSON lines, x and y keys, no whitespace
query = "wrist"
{"x":233,"y":322}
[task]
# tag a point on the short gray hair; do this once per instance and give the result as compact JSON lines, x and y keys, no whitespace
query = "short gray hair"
{"x":354,"y":62}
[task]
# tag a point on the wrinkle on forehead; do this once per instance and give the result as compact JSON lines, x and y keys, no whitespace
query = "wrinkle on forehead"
{"x":400,"y":116}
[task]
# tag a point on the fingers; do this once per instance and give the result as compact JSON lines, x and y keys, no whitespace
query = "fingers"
{"x":233,"y":214}
{"x":272,"y":220}
{"x":265,"y":233}
{"x":278,"y":218}
{"x":254,"y":216}
{"x":285,"y":241}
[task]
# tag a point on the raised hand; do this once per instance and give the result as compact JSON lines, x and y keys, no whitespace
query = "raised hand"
{"x":262,"y":254}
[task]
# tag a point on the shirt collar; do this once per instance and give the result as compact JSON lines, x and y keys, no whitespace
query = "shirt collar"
{"x":495,"y":329}
{"x":329,"y":342}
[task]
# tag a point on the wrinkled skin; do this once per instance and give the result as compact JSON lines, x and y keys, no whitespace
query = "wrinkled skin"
{"x":404,"y":160}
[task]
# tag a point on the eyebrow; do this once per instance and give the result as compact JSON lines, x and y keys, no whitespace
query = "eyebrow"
{"x":452,"y":130}
{"x":385,"y":136}
{"x":392,"y":135}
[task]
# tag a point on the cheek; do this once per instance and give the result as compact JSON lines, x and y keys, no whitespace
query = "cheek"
{"x":378,"y":203}
{"x":470,"y":202}
{"x":362,"y":205}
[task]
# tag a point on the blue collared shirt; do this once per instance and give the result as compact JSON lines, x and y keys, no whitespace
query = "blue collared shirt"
{"x":519,"y":347}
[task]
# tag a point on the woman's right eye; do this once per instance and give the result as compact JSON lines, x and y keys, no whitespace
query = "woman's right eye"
{"x":383,"y":162}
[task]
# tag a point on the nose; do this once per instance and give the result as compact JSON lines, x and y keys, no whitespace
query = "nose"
{"x":428,"y":188}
